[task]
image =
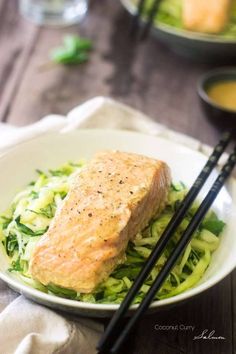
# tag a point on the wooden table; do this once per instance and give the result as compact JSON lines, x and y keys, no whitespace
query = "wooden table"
{"x":148,"y":77}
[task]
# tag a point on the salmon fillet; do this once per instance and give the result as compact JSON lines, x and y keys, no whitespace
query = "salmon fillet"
{"x":111,"y":199}
{"x":209,"y":16}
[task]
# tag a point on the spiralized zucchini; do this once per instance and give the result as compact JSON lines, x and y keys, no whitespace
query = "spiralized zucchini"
{"x":32,"y":210}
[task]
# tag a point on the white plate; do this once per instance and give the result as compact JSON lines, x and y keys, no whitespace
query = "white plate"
{"x":50,"y":151}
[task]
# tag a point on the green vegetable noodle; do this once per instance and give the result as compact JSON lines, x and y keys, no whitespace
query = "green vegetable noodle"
{"x":32,"y":210}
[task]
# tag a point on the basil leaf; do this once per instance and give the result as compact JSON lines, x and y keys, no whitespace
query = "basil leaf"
{"x":11,"y":244}
{"x":5,"y":222}
{"x":62,"y":292}
{"x":213,"y":224}
{"x":74,"y":51}
{"x":16,"y":266}
{"x":27,"y":231}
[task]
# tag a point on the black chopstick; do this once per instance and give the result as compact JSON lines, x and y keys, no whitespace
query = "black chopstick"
{"x":150,"y":18}
{"x":179,"y":248}
{"x":137,"y":16}
{"x":171,"y":227}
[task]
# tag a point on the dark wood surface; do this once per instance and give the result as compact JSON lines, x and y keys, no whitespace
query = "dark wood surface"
{"x":148,"y":77}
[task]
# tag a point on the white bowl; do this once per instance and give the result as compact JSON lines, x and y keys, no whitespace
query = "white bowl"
{"x":50,"y":151}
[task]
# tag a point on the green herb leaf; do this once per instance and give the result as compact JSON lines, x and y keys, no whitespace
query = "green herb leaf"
{"x":83,"y":44}
{"x":4,"y":221}
{"x":16,"y":266}
{"x":11,"y":244}
{"x":62,"y":56}
{"x":74,"y":51}
{"x":34,"y":195}
{"x":62,"y":292}
{"x":70,"y":43}
{"x":130,"y":272}
{"x":31,"y":184}
{"x":27,"y":231}
{"x":40,"y":172}
{"x":74,"y":43}
{"x":213,"y":224}
{"x":49,"y":211}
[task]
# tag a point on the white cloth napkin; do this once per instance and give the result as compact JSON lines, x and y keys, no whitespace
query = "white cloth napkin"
{"x":28,"y":328}
{"x":99,"y":112}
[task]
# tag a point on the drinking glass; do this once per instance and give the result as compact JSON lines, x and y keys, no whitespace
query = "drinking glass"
{"x":54,"y":12}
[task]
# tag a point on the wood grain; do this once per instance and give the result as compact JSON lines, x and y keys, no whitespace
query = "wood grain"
{"x":233,"y":309}
{"x":147,"y":76}
{"x":57,"y":89}
{"x":210,"y":310}
{"x":16,"y":39}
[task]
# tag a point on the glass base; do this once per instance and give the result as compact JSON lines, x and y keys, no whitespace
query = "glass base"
{"x":54,"y":13}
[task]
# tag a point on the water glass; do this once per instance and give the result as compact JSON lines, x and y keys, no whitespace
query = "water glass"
{"x":54,"y":12}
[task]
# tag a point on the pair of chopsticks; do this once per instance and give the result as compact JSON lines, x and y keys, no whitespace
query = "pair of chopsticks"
{"x":111,"y":341}
{"x":149,"y":19}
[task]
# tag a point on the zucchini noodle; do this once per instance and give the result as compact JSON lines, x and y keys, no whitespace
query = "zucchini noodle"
{"x":32,"y":210}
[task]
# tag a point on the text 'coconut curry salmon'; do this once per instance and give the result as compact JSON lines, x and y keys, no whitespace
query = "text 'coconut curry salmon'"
{"x":110,"y":200}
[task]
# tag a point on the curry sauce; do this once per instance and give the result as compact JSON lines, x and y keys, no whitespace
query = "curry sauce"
{"x":223,"y":94}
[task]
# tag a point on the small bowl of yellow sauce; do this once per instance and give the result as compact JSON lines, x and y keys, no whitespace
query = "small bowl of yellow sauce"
{"x":217,"y":92}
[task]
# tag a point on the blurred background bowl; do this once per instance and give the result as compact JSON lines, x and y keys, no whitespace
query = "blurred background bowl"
{"x":223,"y":117}
{"x":198,"y":46}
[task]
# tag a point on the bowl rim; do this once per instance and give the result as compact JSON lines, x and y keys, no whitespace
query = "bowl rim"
{"x":211,"y":75}
{"x":179,"y":32}
{"x":55,"y":300}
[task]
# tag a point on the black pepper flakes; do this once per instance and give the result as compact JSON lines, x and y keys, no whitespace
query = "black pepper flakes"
{"x":131,"y":192}
{"x":90,"y":215}
{"x":121,"y":182}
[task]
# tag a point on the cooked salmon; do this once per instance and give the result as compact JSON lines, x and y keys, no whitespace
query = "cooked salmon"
{"x":208,"y":16}
{"x":110,"y":200}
